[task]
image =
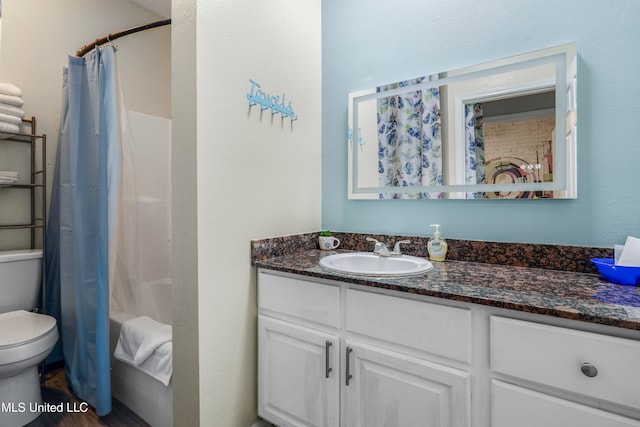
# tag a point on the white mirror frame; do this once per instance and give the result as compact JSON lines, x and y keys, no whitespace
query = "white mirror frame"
{"x":565,"y":170}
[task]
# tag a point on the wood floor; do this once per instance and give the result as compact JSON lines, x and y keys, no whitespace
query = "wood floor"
{"x":55,"y":391}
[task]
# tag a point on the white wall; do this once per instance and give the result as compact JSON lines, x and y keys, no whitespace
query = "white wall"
{"x":257,"y":176}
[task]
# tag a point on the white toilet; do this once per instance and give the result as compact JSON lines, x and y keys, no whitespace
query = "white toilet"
{"x":26,"y":338}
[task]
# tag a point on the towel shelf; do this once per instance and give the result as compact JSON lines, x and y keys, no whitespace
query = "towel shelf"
{"x":34,"y":222}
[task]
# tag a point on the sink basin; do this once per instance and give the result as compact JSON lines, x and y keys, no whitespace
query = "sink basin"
{"x":370,"y":264}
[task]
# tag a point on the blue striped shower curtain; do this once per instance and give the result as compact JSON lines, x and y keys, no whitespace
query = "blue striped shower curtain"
{"x":78,"y":244}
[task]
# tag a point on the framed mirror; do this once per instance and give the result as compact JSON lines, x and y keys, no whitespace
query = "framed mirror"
{"x":504,"y":129}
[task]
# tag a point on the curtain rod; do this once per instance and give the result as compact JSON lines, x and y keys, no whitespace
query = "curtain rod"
{"x":111,"y":37}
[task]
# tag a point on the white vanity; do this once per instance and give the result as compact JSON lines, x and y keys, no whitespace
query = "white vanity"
{"x":333,"y":352}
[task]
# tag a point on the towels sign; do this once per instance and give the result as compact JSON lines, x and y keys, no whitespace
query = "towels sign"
{"x":267,"y":101}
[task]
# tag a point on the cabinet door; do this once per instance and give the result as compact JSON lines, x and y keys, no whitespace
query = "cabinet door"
{"x":393,"y":390}
{"x":297,"y":374}
{"x":516,"y":406}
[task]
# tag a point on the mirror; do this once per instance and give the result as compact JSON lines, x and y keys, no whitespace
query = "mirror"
{"x":505,"y":129}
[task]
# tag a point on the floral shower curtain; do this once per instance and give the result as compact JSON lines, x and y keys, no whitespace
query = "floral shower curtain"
{"x":409,"y":140}
{"x":474,"y":148}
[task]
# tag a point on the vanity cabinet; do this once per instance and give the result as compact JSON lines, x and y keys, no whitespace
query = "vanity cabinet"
{"x":542,"y":373}
{"x":298,"y":352}
{"x":333,"y":356}
{"x":298,"y":385}
{"x":387,"y":388}
{"x":339,"y":354}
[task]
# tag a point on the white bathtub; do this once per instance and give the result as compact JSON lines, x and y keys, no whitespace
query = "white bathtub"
{"x":147,"y":397}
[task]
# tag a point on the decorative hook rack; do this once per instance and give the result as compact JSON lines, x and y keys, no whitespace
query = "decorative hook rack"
{"x":360,"y":139}
{"x":272,"y":102}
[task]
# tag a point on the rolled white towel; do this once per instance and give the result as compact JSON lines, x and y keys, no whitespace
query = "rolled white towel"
{"x":11,"y":110}
{"x":8,"y":118}
{"x":9,"y":127}
{"x":10,"y":89}
{"x":16,"y":101}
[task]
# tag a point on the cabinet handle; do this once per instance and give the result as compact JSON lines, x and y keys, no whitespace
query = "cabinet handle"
{"x":327,"y":368}
{"x":348,"y":375}
{"x":589,"y":370}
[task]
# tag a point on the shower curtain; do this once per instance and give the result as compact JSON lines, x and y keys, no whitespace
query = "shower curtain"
{"x":474,"y":147}
{"x":88,"y":177}
{"x":409,"y":140}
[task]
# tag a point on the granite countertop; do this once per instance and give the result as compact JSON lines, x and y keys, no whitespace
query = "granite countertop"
{"x":564,"y":294}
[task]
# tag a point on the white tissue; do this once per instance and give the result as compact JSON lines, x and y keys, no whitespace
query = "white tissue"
{"x":630,"y":255}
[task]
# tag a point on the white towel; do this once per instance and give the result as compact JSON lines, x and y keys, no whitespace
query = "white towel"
{"x":147,"y":345}
{"x":10,"y":89}
{"x":160,"y":364}
{"x":9,"y":127}
{"x":140,"y":336}
{"x":16,"y":101}
{"x":8,"y":177}
{"x":11,"y":110}
{"x":8,"y":118}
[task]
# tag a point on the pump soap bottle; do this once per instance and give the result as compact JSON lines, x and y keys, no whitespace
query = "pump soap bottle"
{"x":436,"y":246}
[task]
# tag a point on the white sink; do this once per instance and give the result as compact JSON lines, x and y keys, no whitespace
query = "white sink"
{"x":370,"y":264}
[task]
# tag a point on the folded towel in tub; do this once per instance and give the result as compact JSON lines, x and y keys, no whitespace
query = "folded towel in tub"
{"x":147,"y":345}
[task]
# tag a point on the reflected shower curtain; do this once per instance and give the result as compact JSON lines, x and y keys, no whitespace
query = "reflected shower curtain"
{"x":474,"y":147}
{"x":409,"y":140}
{"x":88,"y":170}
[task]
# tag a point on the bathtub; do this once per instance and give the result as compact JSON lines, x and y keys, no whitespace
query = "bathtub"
{"x":147,"y":397}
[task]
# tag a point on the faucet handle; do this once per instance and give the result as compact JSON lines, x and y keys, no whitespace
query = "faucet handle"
{"x":377,"y":247}
{"x":396,"y":247}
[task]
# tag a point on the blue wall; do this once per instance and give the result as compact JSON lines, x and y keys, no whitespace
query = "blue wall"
{"x":370,"y":42}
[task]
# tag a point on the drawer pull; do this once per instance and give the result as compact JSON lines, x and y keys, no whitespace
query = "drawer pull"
{"x":348,"y":375}
{"x":589,"y":370}
{"x":327,"y":368}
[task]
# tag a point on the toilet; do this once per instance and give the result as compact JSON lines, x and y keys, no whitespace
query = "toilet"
{"x":26,"y":338}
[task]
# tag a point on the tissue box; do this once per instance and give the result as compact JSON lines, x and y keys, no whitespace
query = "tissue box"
{"x":621,"y":275}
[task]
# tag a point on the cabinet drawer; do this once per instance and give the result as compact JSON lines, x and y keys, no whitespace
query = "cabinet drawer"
{"x":431,"y":328}
{"x":556,"y":357}
{"x":515,"y":406}
{"x":313,"y":302}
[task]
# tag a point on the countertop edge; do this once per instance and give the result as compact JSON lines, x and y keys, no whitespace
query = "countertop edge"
{"x":517,"y":295}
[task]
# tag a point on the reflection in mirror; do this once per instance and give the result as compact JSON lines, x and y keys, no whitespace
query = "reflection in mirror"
{"x":504,"y":129}
{"x":517,"y":137}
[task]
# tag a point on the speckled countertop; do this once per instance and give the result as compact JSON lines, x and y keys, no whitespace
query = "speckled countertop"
{"x":572,"y":295}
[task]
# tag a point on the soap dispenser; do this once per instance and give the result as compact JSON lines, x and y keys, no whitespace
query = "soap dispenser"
{"x":436,"y":246}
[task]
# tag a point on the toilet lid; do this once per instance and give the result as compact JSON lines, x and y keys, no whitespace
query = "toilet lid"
{"x":21,"y":327}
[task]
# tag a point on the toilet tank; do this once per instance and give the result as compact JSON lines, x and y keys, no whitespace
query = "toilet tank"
{"x":20,"y":275}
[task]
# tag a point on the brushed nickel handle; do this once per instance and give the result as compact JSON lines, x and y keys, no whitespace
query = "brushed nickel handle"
{"x":327,"y":368}
{"x":348,"y":375}
{"x":589,"y":370}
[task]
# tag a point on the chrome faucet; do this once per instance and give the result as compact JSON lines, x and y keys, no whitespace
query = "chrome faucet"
{"x":381,"y":248}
